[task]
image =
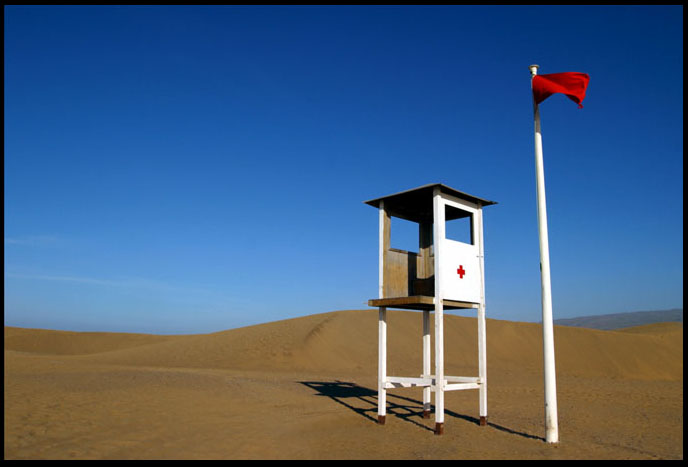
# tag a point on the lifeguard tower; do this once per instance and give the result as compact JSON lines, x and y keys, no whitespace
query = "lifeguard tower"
{"x":443,"y":275}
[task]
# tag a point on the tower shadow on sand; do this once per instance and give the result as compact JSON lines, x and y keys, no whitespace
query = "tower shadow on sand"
{"x":363,"y":401}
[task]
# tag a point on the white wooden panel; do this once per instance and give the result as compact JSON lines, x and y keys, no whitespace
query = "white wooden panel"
{"x":460,"y":272}
{"x":406,"y":382}
{"x":462,"y":379}
{"x":456,"y":379}
{"x":461,"y":386}
{"x":459,"y":203}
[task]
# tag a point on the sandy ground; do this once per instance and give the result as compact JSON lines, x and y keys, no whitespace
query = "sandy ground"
{"x":306,"y":389}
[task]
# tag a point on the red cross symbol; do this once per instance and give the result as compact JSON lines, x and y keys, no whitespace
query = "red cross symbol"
{"x":460,"y":271}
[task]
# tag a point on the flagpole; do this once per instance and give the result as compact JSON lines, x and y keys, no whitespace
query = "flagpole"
{"x":551,"y":423}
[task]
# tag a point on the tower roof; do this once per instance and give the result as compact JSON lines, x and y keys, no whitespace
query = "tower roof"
{"x":416,"y":204}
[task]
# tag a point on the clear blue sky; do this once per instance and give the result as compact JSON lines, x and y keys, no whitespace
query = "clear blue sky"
{"x":182,"y":169}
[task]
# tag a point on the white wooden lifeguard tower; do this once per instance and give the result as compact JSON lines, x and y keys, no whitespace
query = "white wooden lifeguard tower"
{"x":444,"y":274}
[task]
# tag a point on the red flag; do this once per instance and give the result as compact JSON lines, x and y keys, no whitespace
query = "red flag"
{"x":570,"y":83}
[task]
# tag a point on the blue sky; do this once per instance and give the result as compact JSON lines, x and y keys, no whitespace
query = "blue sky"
{"x":181,"y":169}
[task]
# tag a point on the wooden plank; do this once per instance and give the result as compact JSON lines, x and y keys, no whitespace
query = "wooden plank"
{"x":426,"y":259}
{"x":425,"y":302}
{"x":462,"y":379}
{"x":461,"y":386}
{"x":406,"y":382}
{"x":397,"y":272}
{"x":419,"y":302}
{"x":385,"y":225}
{"x":457,"y":379}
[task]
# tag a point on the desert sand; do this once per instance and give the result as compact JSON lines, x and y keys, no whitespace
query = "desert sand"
{"x":305,"y":388}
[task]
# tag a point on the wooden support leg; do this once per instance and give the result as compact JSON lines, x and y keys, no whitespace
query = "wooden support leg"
{"x":482,"y":365}
{"x":438,"y":236}
{"x":426,"y":362}
{"x":439,"y":368}
{"x":382,"y":366}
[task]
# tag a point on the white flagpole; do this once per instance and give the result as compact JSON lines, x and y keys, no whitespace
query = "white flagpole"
{"x":551,"y":423}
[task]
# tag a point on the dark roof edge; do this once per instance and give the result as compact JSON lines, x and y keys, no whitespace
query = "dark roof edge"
{"x":444,"y":188}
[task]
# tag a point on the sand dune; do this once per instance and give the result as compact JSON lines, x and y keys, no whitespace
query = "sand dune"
{"x":41,"y":341}
{"x":306,"y":388}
